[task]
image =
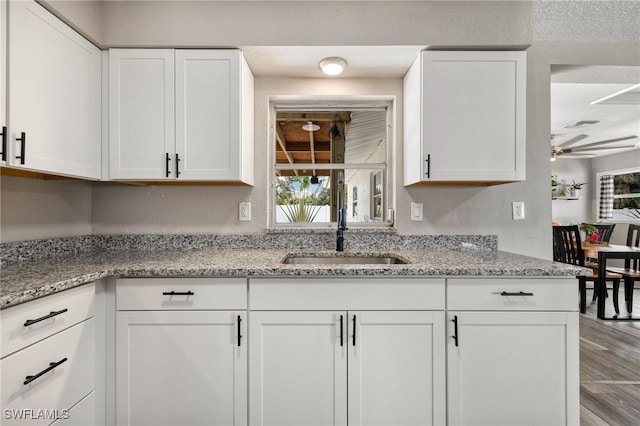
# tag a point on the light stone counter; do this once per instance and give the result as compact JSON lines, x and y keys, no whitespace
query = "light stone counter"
{"x":26,"y":280}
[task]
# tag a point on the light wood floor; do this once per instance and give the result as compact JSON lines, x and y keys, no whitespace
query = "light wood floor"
{"x":610,"y":367}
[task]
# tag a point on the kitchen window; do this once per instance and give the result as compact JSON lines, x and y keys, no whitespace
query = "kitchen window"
{"x":319,"y":151}
{"x":619,"y":195}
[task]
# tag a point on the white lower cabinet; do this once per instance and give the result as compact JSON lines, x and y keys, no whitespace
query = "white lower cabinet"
{"x":396,"y":374}
{"x":81,"y":414}
{"x":388,"y":365}
{"x":338,"y":367}
{"x":48,"y":358}
{"x":347,"y":351}
{"x":180,"y":367}
{"x":512,"y":363}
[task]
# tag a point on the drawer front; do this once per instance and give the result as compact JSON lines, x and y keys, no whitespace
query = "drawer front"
{"x":140,"y":294}
{"x":56,"y":390}
{"x":512,"y":294}
{"x":51,"y":314}
{"x":347,"y":293}
{"x":82,"y":414}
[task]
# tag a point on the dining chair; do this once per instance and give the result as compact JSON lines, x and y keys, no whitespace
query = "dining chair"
{"x":631,"y":271}
{"x":567,"y":248}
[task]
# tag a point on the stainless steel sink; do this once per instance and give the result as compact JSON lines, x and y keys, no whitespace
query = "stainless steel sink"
{"x":342,"y":260}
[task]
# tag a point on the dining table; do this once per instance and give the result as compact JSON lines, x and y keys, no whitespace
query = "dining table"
{"x":604,"y":252}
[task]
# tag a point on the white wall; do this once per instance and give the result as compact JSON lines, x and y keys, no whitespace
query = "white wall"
{"x":574,"y":212}
{"x":34,"y":208}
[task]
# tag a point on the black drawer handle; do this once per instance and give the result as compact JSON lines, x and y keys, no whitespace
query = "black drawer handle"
{"x":27,"y":323}
{"x":167,"y":159}
{"x":239,"y":330}
{"x":520,"y":293}
{"x":52,"y":365}
{"x":178,"y":293}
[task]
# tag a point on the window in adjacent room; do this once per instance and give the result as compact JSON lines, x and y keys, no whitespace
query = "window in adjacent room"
{"x":619,"y":195}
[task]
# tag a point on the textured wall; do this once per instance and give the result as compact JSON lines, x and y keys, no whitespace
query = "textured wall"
{"x":34,"y":209}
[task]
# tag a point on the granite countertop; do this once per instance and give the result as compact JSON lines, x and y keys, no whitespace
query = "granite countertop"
{"x":22,"y":281}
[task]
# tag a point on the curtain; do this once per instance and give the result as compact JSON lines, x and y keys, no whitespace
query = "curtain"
{"x":606,"y":197}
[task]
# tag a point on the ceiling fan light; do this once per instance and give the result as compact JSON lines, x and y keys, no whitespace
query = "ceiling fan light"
{"x":311,"y":127}
{"x":332,"y":65}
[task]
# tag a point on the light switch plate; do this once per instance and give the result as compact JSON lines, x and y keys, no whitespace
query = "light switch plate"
{"x":416,"y":212}
{"x":244,"y":211}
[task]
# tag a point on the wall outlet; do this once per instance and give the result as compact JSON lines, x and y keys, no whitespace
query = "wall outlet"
{"x":416,"y":212}
{"x":517,"y":210}
{"x":244,"y":211}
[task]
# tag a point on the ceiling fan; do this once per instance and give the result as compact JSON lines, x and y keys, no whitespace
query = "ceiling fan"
{"x":589,"y":149}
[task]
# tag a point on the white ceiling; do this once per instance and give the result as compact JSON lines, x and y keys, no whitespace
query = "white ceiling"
{"x":571,"y":103}
{"x":302,"y":61}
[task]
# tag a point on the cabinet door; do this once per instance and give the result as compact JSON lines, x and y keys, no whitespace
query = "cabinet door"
{"x":396,"y":368}
{"x":298,"y":369}
{"x":513,"y":368}
{"x":141,"y":114}
{"x":4,"y":138}
{"x":54,"y":98}
{"x":181,"y":368}
{"x":473,"y":117}
{"x":208,"y":114}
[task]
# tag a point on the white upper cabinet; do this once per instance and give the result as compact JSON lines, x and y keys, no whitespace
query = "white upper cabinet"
{"x":465,"y":116}
{"x":180,"y":114}
{"x":3,"y":83}
{"x":141,"y":111}
{"x":54,"y":95}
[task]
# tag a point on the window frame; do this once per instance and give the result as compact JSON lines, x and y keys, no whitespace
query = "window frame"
{"x":597,"y":190}
{"x":337,"y":103}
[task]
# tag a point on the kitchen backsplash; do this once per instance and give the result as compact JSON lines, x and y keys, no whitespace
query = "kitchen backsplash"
{"x":302,"y":239}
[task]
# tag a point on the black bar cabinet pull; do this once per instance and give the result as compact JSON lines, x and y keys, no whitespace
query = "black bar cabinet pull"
{"x":4,"y":143}
{"x":341,"y":329}
{"x":178,"y":293}
{"x":455,"y":329}
{"x":167,"y":160}
{"x":52,"y":314}
{"x":52,"y":365}
{"x":239,"y":330}
{"x":177,"y":165}
{"x":520,"y":293}
{"x":428,"y":160}
{"x":354,"y":330}
{"x":23,"y":141}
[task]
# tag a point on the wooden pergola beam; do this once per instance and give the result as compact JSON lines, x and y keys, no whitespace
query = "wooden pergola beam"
{"x":283,"y":145}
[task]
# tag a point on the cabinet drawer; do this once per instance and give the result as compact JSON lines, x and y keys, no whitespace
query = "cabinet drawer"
{"x":55,"y":313}
{"x":82,"y":414}
{"x":55,"y":390}
{"x":512,"y":294}
{"x":347,"y":293}
{"x":139,"y":294}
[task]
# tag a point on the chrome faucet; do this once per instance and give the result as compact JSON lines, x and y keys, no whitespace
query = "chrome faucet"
{"x":342,"y":217}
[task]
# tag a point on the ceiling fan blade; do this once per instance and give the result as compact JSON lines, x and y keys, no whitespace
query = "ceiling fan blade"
{"x":602,"y":148}
{"x":572,"y":141}
{"x":605,"y":142}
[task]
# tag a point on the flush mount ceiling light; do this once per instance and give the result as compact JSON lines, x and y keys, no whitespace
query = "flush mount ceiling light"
{"x":310,"y":127}
{"x":333,"y":65}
